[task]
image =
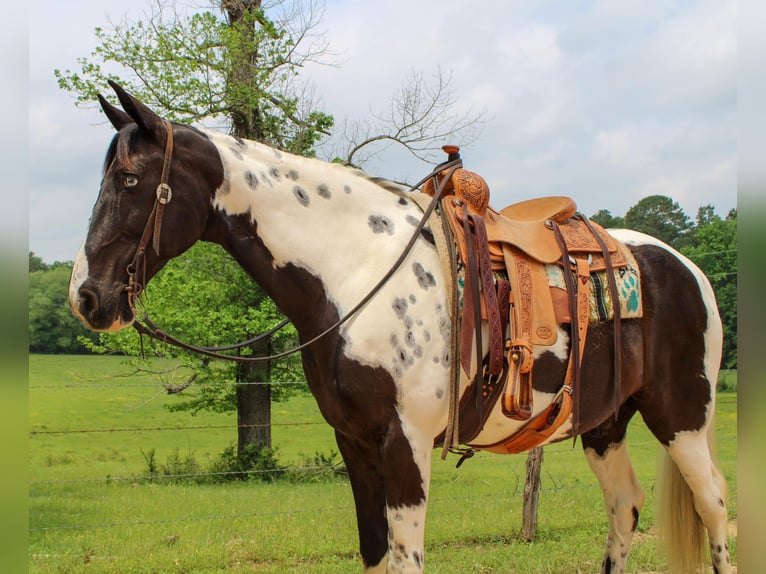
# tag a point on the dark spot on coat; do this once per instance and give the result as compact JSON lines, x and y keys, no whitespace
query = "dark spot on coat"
{"x":380,"y":224}
{"x":428,"y":236}
{"x":275,"y":173}
{"x":324,"y":191}
{"x":400,"y":307}
{"x":292,"y":174}
{"x":251,"y":179}
{"x":301,"y":195}
{"x":240,"y":142}
{"x":412,"y":220}
{"x":418,"y":559}
{"x":347,"y":188}
{"x":439,"y":394}
{"x":237,"y":153}
{"x":403,"y":201}
{"x":425,"y":278}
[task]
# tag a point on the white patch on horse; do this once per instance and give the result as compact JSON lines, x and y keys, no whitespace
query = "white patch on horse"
{"x":560,"y":349}
{"x":406,"y":540}
{"x":298,"y":217}
{"x":624,"y":500}
{"x":77,"y":279}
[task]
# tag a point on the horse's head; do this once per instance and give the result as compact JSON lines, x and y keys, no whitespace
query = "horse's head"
{"x":154,"y":203}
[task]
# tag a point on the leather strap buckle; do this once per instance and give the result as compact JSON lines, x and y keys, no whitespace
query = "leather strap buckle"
{"x":164,"y":193}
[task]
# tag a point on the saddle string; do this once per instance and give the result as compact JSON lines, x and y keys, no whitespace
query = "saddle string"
{"x":146,"y":326}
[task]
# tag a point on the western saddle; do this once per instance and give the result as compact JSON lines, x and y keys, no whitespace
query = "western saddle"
{"x":500,"y":260}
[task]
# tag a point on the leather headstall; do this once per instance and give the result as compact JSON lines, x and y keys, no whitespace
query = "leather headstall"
{"x":153,"y":228}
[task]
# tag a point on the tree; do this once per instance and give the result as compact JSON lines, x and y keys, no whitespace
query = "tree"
{"x":212,"y":302}
{"x":713,"y":247}
{"x":232,"y":63}
{"x":237,"y":63}
{"x":36,"y":263}
{"x":420,"y":118}
{"x":661,"y":217}
{"x":52,"y":327}
{"x":605,"y":218}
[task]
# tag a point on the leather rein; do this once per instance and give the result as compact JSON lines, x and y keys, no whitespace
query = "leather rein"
{"x":137,"y":269}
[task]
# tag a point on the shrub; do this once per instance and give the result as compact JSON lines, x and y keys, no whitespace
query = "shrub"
{"x":254,"y":462}
{"x":319,"y":468}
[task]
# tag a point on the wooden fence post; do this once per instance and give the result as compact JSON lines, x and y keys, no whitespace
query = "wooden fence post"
{"x":531,"y":493}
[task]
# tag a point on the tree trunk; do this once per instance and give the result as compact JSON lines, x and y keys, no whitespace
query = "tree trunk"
{"x":246,"y":121}
{"x":254,"y":400}
{"x":531,"y":494}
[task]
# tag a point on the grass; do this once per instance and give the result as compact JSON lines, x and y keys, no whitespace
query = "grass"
{"x":88,"y":512}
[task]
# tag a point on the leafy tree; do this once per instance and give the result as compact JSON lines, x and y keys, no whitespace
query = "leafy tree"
{"x":237,"y":63}
{"x":52,"y":327}
{"x":605,"y":218}
{"x":210,"y":301}
{"x":232,"y":62}
{"x":713,"y":247}
{"x":36,"y":263}
{"x":661,"y":217}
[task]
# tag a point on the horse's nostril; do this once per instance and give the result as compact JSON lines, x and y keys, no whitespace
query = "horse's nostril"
{"x":87,"y":302}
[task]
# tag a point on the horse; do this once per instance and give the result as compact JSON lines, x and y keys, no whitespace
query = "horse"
{"x":318,"y":237}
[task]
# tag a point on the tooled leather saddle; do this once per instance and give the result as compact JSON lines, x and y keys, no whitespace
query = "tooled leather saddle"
{"x":500,"y":260}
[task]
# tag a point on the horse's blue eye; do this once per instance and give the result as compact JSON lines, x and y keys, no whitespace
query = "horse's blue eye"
{"x":130,"y":181}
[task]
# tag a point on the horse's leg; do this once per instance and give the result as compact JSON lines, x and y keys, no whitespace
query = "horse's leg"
{"x":691,"y":454}
{"x":365,"y":470}
{"x":390,"y":486}
{"x":407,"y":463}
{"x":607,"y":454}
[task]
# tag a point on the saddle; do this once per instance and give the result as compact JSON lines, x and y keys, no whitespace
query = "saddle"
{"x":502,"y":258}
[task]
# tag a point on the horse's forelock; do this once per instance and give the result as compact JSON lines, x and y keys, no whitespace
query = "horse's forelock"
{"x":120,"y":148}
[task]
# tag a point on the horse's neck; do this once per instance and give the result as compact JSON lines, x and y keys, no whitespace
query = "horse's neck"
{"x":331,"y":222}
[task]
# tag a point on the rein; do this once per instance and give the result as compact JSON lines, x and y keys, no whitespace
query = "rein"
{"x":137,"y":269}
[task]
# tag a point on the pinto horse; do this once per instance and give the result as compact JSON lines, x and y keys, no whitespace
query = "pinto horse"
{"x":318,"y":237}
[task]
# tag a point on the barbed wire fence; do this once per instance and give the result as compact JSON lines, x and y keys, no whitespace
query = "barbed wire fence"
{"x":550,"y":482}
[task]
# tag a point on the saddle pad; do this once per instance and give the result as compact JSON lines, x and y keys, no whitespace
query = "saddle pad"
{"x":628,"y":280}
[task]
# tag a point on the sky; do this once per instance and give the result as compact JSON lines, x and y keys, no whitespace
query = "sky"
{"x":604,"y":101}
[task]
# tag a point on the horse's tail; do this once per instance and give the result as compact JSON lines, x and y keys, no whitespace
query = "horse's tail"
{"x":681,"y":529}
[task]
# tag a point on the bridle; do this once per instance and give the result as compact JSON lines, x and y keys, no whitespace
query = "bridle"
{"x":137,"y":267}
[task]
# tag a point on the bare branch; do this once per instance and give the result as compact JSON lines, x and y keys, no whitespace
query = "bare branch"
{"x":421,"y":117}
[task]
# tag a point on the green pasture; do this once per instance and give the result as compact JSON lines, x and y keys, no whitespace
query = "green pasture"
{"x":92,"y":512}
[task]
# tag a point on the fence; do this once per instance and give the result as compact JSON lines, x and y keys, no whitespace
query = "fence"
{"x":67,"y":508}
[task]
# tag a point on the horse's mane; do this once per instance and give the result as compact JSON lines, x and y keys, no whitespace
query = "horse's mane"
{"x":382,"y":182}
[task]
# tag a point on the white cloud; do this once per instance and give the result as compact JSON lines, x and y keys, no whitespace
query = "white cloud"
{"x":602,"y":101}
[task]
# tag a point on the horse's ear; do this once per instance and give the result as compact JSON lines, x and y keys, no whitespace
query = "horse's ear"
{"x":116,"y":116}
{"x":140,"y":113}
